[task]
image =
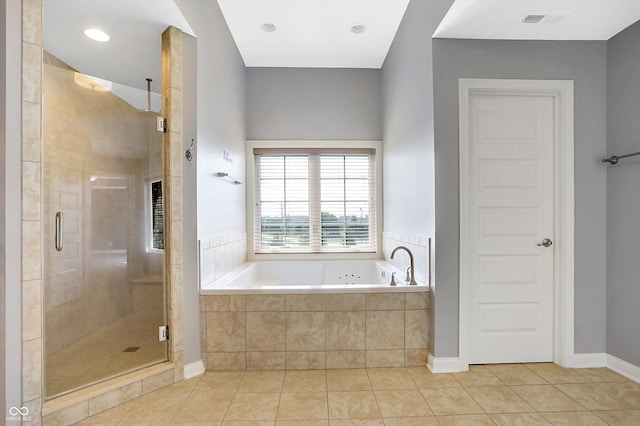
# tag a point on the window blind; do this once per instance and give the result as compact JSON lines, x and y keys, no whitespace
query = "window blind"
{"x":314,"y":201}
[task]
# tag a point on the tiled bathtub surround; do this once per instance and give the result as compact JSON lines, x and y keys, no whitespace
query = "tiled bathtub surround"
{"x":314,"y":331}
{"x":221,"y":254}
{"x":419,"y":246}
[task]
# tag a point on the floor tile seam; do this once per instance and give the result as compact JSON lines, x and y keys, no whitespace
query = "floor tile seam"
{"x":534,"y":410}
{"x":548,"y":411}
{"x":375,"y":397}
{"x":474,"y":400}
{"x":569,"y":396}
{"x":226,"y":411}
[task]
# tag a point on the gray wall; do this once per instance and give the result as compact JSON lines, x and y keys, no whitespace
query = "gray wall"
{"x":10,"y":201}
{"x":408,"y":155}
{"x":216,"y":83}
{"x":221,"y":120}
{"x":623,"y":197}
{"x":310,"y":103}
{"x":407,"y":90}
{"x":586,"y":64}
{"x":189,"y":202}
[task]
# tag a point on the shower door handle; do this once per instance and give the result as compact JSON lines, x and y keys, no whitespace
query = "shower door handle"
{"x":59,"y":230}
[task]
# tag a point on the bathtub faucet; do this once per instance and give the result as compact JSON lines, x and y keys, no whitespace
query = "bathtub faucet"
{"x":411,"y":268}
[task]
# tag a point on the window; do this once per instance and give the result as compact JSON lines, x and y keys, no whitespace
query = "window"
{"x":314,"y":200}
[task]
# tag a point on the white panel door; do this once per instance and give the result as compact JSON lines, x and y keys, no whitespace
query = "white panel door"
{"x":510,"y":201}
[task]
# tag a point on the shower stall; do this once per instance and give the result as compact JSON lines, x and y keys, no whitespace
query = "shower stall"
{"x":103,"y":219}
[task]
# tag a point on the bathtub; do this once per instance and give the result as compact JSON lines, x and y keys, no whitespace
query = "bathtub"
{"x":318,"y":276}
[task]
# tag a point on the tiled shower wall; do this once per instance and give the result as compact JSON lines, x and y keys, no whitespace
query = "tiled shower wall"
{"x":297,"y":331}
{"x":419,"y":246}
{"x":221,"y":254}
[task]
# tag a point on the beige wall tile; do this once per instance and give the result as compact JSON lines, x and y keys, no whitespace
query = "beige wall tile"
{"x":384,"y":301}
{"x":31,"y":72}
{"x":157,"y":381}
{"x":266,"y":360}
{"x":266,"y":331}
{"x":226,"y":361}
{"x":418,"y":300}
{"x":345,"y":302}
{"x":384,"y":358}
{"x":68,"y":416}
{"x":385,"y":330}
{"x":178,"y":365}
{"x":32,"y":21}
{"x":225,"y":331}
{"x":114,"y":397}
{"x":31,"y":369}
{"x":305,"y":331}
{"x":345,"y":331}
{"x":31,"y":132}
{"x":305,"y":302}
{"x":265,"y":302}
{"x":224,"y":303}
{"x":345,"y":359}
{"x":35,"y":411}
{"x":305,"y":360}
{"x":31,"y":250}
{"x":416,"y":329}
{"x":31,"y":309}
{"x":415,"y":357}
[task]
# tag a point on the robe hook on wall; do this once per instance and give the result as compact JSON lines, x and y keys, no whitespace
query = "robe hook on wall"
{"x":188,"y":154}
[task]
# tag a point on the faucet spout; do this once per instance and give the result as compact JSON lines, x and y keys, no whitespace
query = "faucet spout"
{"x":411,"y":268}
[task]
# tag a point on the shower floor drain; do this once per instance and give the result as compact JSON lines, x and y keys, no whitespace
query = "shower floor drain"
{"x":131,"y":349}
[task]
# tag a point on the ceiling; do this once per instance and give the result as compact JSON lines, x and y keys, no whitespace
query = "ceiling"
{"x":313,"y":33}
{"x":309,"y":33}
{"x":563,"y":19}
{"x":135,"y":27}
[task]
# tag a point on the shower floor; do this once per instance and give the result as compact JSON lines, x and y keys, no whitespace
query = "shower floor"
{"x":104,"y":354}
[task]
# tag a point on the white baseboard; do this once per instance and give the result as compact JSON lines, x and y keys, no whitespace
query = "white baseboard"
{"x":623,"y":367}
{"x":592,"y":360}
{"x":443,"y":365}
{"x":194,"y":369}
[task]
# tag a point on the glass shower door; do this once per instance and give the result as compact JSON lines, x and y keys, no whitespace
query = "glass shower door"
{"x":104,"y":292}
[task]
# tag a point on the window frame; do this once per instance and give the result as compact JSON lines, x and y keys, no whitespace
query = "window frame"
{"x":327,"y":145}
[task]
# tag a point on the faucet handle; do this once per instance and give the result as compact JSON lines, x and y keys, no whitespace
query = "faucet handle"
{"x":393,"y":279}
{"x":408,"y":278}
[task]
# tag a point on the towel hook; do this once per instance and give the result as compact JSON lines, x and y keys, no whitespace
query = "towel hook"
{"x":188,"y":154}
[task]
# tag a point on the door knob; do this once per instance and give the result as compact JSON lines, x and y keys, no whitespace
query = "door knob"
{"x":545,"y":243}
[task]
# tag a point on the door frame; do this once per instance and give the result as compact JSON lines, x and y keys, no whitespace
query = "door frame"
{"x":562,"y":93}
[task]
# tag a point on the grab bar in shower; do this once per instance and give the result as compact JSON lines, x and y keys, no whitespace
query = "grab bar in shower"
{"x":615,"y":158}
{"x":59,"y":230}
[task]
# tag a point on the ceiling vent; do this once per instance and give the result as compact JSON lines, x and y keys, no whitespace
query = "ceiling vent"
{"x":539,"y":18}
{"x":533,"y":19}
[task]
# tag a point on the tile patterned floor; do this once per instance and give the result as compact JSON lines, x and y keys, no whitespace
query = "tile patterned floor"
{"x":515,"y":394}
{"x":101,"y":355}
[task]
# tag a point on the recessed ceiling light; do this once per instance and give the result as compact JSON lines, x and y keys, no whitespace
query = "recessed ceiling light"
{"x":96,"y":34}
{"x":358,"y":28}
{"x":268,"y":27}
